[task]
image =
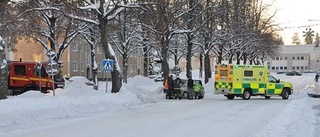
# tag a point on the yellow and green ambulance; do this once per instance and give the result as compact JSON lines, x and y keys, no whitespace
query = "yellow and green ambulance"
{"x":248,"y":80}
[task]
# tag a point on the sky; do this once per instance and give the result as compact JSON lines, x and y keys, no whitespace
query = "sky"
{"x":294,"y":15}
{"x":141,"y":110}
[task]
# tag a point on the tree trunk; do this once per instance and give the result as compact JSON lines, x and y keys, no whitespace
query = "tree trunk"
{"x":145,"y":62}
{"x":3,"y":75}
{"x":201,"y":66}
{"x":125,"y":67}
{"x":115,"y":74}
{"x":244,"y":59}
{"x":220,"y":54}
{"x":164,"y":60}
{"x":207,"y":68}
{"x":189,"y":48}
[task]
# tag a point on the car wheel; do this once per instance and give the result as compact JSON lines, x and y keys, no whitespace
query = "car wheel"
{"x":200,"y":97}
{"x":285,"y":93}
{"x":185,"y":95}
{"x":246,"y":94}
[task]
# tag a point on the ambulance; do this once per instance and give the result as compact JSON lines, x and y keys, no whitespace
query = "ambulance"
{"x":248,"y":80}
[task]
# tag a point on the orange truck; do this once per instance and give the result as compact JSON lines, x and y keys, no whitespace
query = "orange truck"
{"x":24,"y":76}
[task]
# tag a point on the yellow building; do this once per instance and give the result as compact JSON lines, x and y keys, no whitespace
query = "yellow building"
{"x":76,"y":59}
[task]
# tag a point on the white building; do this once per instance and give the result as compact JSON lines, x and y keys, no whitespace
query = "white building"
{"x":295,"y":57}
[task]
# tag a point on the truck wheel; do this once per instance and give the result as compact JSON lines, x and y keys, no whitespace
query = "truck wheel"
{"x":230,"y":97}
{"x":246,"y":95}
{"x":267,"y":97}
{"x":285,"y":93}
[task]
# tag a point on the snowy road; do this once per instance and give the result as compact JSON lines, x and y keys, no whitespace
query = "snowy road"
{"x":212,"y":116}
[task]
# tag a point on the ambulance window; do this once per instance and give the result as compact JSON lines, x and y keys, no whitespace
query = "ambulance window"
{"x":20,"y":70}
{"x":248,"y":73}
{"x":223,"y":72}
{"x":272,"y":79}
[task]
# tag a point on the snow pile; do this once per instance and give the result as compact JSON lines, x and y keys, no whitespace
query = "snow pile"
{"x":140,"y":107}
{"x":78,"y":82}
{"x":76,"y":100}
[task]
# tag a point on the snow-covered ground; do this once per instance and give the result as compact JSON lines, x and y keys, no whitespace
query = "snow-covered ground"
{"x":141,"y":110}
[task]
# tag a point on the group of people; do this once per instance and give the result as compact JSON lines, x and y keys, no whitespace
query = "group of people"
{"x":172,"y":88}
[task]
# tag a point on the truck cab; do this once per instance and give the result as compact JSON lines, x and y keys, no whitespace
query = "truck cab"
{"x":24,"y":76}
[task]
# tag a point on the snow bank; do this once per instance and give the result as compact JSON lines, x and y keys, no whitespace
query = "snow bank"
{"x":76,"y":100}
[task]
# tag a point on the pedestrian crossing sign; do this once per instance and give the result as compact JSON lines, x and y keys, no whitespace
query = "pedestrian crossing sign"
{"x":107,"y":65}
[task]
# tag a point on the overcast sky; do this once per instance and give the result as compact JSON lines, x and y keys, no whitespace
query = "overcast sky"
{"x":294,"y":15}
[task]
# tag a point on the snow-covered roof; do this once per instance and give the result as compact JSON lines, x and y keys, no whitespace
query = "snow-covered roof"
{"x":316,"y":49}
{"x":297,"y":49}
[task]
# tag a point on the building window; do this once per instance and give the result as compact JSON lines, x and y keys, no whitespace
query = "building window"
{"x":302,"y":58}
{"x":298,"y":58}
{"x":285,"y":58}
{"x":285,"y":68}
{"x":272,"y":68}
{"x":301,"y":67}
{"x":281,"y":68}
{"x":82,"y":66}
{"x":293,"y":68}
{"x":277,"y":58}
{"x":75,"y":47}
{"x":75,"y":66}
{"x":305,"y":67}
{"x":297,"y":67}
{"x":20,"y":70}
{"x":293,"y":58}
{"x":82,"y":47}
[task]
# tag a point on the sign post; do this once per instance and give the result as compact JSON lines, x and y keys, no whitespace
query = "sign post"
{"x":107,"y":66}
{"x":52,"y":67}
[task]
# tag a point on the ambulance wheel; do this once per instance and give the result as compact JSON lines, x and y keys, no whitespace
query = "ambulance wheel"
{"x":285,"y":93}
{"x":246,"y":94}
{"x":267,"y":97}
{"x":230,"y":97}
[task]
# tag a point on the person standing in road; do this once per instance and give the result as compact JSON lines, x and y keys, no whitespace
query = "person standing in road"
{"x":170,"y":85}
{"x":317,"y":77}
{"x":177,"y":86}
{"x":190,"y":88}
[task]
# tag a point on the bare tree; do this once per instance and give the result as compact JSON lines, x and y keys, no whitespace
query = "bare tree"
{"x":107,"y":11}
{"x":165,"y":16}
{"x":46,"y":21}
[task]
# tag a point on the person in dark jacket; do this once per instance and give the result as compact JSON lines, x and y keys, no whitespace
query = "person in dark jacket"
{"x":169,"y":93}
{"x":177,"y":86}
{"x":317,"y":77}
{"x":190,"y":88}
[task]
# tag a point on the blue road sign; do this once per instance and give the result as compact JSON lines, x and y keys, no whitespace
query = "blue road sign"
{"x":107,"y":65}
